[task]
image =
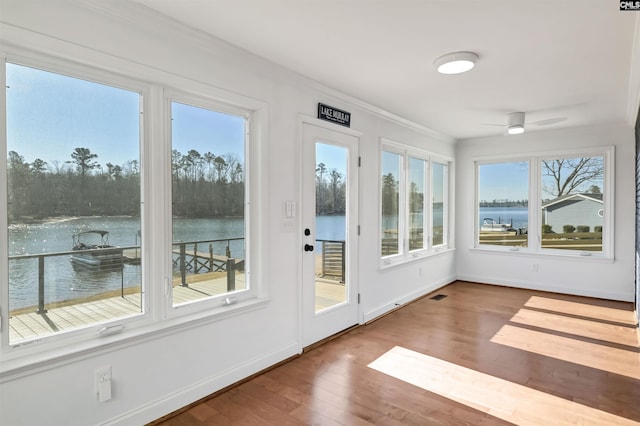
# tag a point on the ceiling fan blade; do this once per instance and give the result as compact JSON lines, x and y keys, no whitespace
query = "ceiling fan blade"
{"x":493,"y":124}
{"x":548,"y":121}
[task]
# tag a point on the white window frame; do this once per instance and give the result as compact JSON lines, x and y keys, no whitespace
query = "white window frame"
{"x":405,"y":255}
{"x":238,"y":296}
{"x":535,"y":203}
{"x":445,"y":203}
{"x":93,"y":331}
{"x":530,"y":191}
{"x":157,"y":317}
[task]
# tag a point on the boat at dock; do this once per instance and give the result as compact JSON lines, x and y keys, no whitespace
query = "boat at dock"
{"x":92,"y":248}
{"x":490,"y":225}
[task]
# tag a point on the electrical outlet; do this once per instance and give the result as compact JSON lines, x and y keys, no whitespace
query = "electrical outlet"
{"x":102,"y":378}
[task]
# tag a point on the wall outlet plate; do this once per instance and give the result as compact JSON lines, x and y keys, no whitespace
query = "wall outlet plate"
{"x":102,"y":383}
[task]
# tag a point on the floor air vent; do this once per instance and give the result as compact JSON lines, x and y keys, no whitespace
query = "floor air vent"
{"x":438,"y":297}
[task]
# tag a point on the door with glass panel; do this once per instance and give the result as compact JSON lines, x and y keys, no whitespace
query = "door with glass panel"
{"x":329,"y":232}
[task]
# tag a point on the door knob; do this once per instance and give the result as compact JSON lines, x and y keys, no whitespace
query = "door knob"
{"x":308,"y":247}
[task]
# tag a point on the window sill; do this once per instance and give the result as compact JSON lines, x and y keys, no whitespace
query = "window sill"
{"x":573,"y":255}
{"x":23,"y":361}
{"x":391,"y":262}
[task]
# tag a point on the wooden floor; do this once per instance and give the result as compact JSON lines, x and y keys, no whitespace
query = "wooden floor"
{"x":483,"y":355}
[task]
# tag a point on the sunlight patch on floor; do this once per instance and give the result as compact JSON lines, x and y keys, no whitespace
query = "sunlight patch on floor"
{"x":582,"y":309}
{"x":580,"y":327}
{"x":573,"y":350}
{"x":498,"y":397}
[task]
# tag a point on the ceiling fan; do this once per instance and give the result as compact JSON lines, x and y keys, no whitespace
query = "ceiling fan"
{"x":515,"y":122}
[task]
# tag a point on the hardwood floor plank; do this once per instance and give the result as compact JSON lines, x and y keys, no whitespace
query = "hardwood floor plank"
{"x":484,"y":355}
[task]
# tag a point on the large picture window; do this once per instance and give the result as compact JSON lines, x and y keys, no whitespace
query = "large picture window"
{"x":569,"y":212}
{"x":414,"y":194}
{"x":73,"y":203}
{"x":208,"y":202}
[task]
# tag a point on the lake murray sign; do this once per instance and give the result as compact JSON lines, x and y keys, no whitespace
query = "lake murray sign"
{"x":335,"y":115}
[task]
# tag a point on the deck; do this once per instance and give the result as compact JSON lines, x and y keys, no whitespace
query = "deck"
{"x":26,"y":325}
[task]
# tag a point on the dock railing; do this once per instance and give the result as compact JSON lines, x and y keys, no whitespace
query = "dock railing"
{"x":189,"y":257}
{"x":333,"y":258}
{"x":42,"y":270}
{"x":184,"y":260}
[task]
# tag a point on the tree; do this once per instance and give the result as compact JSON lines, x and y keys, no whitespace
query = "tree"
{"x":115,"y":172}
{"x":221,"y":167}
{"x":390,"y":195}
{"x":337,"y":191}
{"x":193,"y":164}
{"x":38,"y":167}
{"x":83,"y":158}
{"x":18,"y":184}
{"x":209,"y":158}
{"x":594,"y":189}
{"x":570,"y":175}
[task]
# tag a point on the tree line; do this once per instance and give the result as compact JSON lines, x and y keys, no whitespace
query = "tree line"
{"x":203,"y":186}
{"x":330,"y":191}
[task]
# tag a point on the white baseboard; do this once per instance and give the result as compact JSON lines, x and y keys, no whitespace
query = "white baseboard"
{"x":551,"y":287}
{"x":196,"y":391}
{"x":387,"y":307}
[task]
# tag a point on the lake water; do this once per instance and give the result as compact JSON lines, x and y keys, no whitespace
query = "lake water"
{"x":64,"y":280}
{"x":519,"y":216}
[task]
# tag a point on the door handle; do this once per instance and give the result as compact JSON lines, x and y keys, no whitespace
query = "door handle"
{"x":308,"y":247}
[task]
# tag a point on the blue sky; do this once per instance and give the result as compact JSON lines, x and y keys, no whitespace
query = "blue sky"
{"x":49,"y":115}
{"x":333,"y":157}
{"x":503,"y":181}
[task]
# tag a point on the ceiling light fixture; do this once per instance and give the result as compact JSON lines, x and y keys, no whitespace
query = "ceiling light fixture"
{"x":516,"y":123}
{"x":516,"y":129}
{"x":455,"y":63}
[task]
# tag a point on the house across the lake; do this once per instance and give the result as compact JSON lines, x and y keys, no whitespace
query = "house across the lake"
{"x":583,"y":209}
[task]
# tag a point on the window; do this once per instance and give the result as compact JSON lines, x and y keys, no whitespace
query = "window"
{"x":572,"y":203}
{"x":503,"y":213}
{"x":417,"y":179}
{"x":208,"y":202}
{"x":81,"y":201}
{"x":439,"y":203}
{"x":570,"y":210}
{"x":391,"y":237}
{"x":414,"y":203}
{"x":73,"y":203}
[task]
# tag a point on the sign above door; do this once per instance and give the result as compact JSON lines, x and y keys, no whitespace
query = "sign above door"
{"x":334,"y":115}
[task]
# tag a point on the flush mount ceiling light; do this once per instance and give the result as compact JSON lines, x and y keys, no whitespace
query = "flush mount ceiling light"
{"x":455,"y":63}
{"x":516,"y":123}
{"x":516,"y":129}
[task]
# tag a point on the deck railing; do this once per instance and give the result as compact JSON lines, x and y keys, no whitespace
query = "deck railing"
{"x":333,"y":258}
{"x":184,"y":260}
{"x":188,"y":257}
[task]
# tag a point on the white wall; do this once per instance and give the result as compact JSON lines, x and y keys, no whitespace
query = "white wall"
{"x":156,"y":373}
{"x":581,"y":275}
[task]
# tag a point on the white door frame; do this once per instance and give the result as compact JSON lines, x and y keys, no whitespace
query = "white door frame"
{"x":354,"y":264}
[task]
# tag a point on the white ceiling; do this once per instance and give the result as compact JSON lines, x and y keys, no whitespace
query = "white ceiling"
{"x":564,"y":62}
